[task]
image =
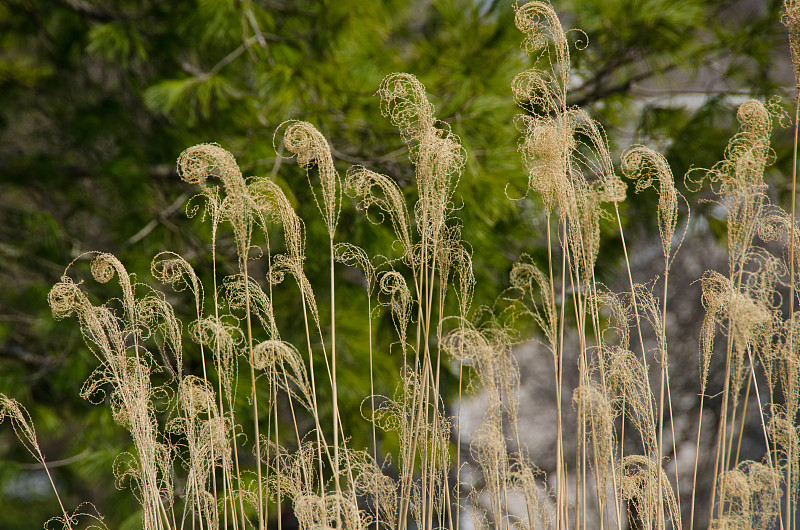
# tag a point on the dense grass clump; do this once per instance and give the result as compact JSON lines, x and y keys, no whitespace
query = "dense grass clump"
{"x":208,"y":456}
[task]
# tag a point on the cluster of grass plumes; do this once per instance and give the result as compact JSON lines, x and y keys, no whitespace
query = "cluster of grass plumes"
{"x":187,"y":429}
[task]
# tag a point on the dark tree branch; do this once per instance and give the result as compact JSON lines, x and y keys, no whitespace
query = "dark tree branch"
{"x":98,"y":13}
{"x":599,"y":91}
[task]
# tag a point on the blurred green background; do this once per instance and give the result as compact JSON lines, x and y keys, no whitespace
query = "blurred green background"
{"x":99,"y":97}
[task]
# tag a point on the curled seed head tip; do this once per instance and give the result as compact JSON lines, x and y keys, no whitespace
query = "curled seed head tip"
{"x":404,"y":101}
{"x":103,"y":268}
{"x":198,"y":163}
{"x":196,"y":395}
{"x":303,"y":139}
{"x":753,"y":114}
{"x":63,"y":298}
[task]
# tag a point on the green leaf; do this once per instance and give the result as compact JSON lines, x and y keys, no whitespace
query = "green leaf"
{"x":116,"y":41}
{"x":191,"y":97}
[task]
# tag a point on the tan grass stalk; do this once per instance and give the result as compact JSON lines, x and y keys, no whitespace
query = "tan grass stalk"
{"x":791,"y":18}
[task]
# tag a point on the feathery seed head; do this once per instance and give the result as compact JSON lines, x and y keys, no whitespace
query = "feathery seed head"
{"x":379,"y":190}
{"x":266,"y":353}
{"x":748,"y":152}
{"x":311,"y":148}
{"x":545,"y":149}
{"x":404,"y":101}
{"x":751,"y":497}
{"x":394,"y":285}
{"x":598,"y":417}
{"x":196,"y":396}
{"x":643,"y":483}
{"x":540,"y":24}
{"x":21,"y":422}
{"x":645,"y":165}
{"x":619,"y":316}
{"x":268,"y":198}
{"x":170,"y":268}
{"x":103,"y":267}
{"x":791,"y":19}
{"x":198,"y":163}
{"x":355,"y":256}
{"x":65,"y":297}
